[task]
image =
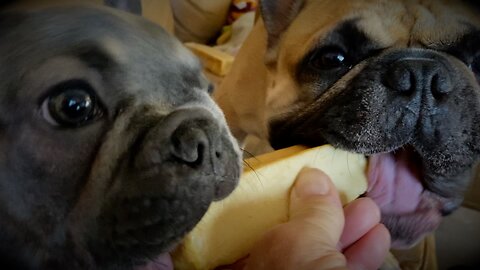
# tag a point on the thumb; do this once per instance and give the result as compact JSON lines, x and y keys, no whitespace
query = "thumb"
{"x":314,"y":201}
{"x":309,"y":239}
{"x":316,"y":208}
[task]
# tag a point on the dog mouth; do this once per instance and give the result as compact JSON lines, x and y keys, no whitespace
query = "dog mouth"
{"x":408,"y":209}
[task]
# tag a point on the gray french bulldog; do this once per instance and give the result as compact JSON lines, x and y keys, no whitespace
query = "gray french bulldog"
{"x":395,"y":80}
{"x":112,"y":148}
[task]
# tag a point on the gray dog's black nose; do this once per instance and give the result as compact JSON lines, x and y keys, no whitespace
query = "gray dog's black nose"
{"x":188,"y":141}
{"x":190,"y":144}
{"x":408,"y":75}
{"x":192,"y":138}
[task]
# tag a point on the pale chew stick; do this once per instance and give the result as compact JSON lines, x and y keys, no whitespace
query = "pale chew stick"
{"x":218,"y":62}
{"x":231,"y":227}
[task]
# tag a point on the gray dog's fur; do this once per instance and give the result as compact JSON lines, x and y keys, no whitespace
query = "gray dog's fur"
{"x":125,"y":182}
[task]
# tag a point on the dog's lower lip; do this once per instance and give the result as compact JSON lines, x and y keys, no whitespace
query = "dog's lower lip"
{"x":395,"y":184}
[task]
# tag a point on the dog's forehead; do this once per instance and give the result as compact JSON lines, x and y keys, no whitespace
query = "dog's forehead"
{"x":70,"y":25}
{"x":145,"y":57}
{"x":431,"y":23}
{"x":388,"y":23}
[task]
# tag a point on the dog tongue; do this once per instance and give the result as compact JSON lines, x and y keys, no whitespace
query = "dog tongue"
{"x":162,"y":262}
{"x":394,"y":182}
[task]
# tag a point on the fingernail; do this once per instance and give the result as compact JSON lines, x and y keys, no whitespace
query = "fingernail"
{"x":311,"y":182}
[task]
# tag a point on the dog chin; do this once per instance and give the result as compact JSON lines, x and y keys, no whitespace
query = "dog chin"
{"x":409,"y":210}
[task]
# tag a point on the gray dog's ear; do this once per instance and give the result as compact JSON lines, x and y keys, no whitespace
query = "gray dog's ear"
{"x":133,"y":6}
{"x":277,"y":16}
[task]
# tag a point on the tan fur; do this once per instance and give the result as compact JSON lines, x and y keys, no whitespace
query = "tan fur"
{"x":252,"y":93}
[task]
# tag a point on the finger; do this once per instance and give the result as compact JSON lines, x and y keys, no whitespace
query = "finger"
{"x":370,"y":251}
{"x":311,"y":234}
{"x":315,"y":203}
{"x":360,"y":217}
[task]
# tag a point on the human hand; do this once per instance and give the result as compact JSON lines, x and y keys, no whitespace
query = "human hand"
{"x":320,"y":234}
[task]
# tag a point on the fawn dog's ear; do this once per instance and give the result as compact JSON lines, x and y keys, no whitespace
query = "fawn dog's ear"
{"x":132,"y":6}
{"x":277,"y":16}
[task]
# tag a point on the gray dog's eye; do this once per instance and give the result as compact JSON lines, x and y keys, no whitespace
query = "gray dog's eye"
{"x":71,"y":104}
{"x":328,"y":58}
